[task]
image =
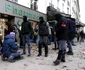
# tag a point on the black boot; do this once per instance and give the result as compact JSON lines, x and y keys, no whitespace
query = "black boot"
{"x":2,"y":58}
{"x":63,"y":56}
{"x":57,"y":62}
{"x":46,"y":50}
{"x":69,"y":53}
{"x":39,"y":54}
{"x":59,"y":55}
{"x":40,"y":49}
{"x":46,"y":55}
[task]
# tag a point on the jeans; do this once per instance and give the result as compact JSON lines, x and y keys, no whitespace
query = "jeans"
{"x":37,"y":40}
{"x":13,"y":55}
{"x":55,"y":42}
{"x":69,"y":46}
{"x":49,"y":39}
{"x":72,"y":42}
{"x":26,"y":39}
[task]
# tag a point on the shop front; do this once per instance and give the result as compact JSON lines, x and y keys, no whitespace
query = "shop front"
{"x":13,"y":13}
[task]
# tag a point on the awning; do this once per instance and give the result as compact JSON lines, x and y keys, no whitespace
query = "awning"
{"x":51,"y":11}
{"x":80,"y":25}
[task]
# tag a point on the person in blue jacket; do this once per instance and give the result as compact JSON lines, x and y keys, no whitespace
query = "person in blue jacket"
{"x":9,"y":48}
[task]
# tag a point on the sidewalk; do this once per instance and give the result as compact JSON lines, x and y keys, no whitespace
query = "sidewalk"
{"x":75,"y":62}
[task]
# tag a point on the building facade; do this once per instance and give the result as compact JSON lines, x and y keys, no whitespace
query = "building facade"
{"x":75,"y":10}
{"x":70,"y":7}
{"x":14,"y":12}
{"x":16,"y":1}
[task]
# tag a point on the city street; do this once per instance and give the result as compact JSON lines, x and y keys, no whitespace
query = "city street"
{"x":73,"y":62}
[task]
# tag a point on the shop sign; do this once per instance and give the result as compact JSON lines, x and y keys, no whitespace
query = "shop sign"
{"x":20,"y":12}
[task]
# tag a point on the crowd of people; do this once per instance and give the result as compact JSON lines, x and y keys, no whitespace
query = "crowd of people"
{"x":64,"y":33}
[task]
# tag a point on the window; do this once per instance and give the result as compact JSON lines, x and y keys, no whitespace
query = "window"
{"x":67,"y":10}
{"x":57,"y":3}
{"x":68,"y":3}
{"x":64,"y":0}
{"x":34,"y":5}
{"x":62,"y":7}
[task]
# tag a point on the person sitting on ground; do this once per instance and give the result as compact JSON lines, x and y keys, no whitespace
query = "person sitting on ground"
{"x":9,"y":48}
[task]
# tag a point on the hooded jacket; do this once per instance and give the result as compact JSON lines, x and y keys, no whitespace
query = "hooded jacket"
{"x":7,"y":45}
{"x":26,"y":28}
{"x":61,"y":28}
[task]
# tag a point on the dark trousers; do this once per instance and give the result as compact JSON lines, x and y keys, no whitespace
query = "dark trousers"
{"x":21,"y":41}
{"x":62,"y":50}
{"x":61,"y":55}
{"x":40,"y":48}
{"x":43,"y":43}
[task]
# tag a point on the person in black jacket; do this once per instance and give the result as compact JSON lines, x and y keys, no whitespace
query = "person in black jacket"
{"x":43,"y":34}
{"x":82,"y":36}
{"x":71,"y":35}
{"x":26,"y":31}
{"x":62,"y":36}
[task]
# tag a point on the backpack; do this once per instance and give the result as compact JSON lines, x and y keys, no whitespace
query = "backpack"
{"x":71,"y":28}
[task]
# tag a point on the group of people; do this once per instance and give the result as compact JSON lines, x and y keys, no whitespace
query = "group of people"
{"x":63,"y":37}
{"x":80,"y":36}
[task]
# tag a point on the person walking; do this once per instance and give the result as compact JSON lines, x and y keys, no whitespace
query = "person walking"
{"x":26,"y":31}
{"x":62,"y":36}
{"x":43,"y":35}
{"x":71,"y":35}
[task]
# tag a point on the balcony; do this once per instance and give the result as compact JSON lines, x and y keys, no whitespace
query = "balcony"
{"x":68,"y":3}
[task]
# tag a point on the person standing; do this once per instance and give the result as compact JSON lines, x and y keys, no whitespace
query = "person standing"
{"x":49,"y":36}
{"x":55,"y":38}
{"x":26,"y":31}
{"x":43,"y":34}
{"x":62,"y":36}
{"x":82,"y":36}
{"x":71,"y":35}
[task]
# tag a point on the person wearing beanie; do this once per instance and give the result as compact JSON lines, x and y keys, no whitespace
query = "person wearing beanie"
{"x":9,"y":48}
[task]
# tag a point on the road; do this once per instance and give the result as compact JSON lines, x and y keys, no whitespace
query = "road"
{"x":73,"y":62}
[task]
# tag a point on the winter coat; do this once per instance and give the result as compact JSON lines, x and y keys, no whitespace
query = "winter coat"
{"x":62,"y":29}
{"x":82,"y":34}
{"x":43,"y":29}
{"x":71,"y":29}
{"x":26,"y":28}
{"x":8,"y":45}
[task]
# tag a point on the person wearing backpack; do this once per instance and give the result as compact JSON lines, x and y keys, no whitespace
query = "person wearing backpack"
{"x":62,"y":36}
{"x":43,"y":35}
{"x":26,"y":31}
{"x":71,"y":35}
